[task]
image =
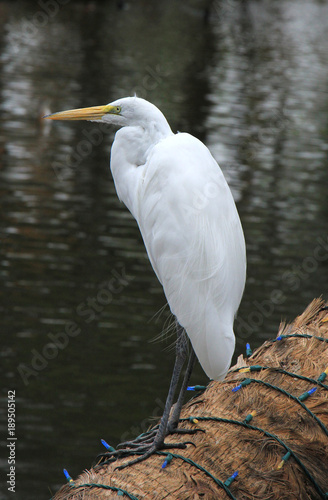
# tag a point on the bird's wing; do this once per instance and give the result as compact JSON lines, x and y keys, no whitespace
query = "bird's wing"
{"x":193,"y":236}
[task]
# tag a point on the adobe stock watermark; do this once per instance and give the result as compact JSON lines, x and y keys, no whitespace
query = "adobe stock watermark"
{"x":88,"y":310}
{"x":201,"y":196}
{"x":278,"y":123}
{"x":48,"y":9}
{"x":93,"y":137}
{"x":221,"y":9}
{"x":292,"y":279}
{"x":151,"y":80}
{"x":136,"y":430}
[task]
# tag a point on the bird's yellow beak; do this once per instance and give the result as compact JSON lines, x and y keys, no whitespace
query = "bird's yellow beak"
{"x":93,"y":113}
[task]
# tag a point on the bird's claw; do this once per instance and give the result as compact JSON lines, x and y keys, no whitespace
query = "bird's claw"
{"x":144,"y":450}
{"x":145,"y":445}
{"x":143,"y":438}
{"x":112,"y":456}
{"x":176,"y":430}
{"x":139,"y":445}
{"x":144,"y":454}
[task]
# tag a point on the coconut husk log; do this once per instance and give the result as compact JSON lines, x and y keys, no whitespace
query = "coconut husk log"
{"x":266,"y":430}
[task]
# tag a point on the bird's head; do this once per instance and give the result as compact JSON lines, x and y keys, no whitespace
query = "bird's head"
{"x":128,"y":111}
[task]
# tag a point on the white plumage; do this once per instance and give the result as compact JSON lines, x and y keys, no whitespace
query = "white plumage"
{"x":188,"y":220}
{"x":189,"y":223}
{"x":191,"y":229}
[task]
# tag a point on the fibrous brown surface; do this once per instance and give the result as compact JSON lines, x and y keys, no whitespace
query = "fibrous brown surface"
{"x":281,"y":423}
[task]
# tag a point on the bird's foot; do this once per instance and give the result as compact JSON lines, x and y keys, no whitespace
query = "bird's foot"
{"x":128,"y":448}
{"x":144,"y":445}
{"x":173,"y":428}
{"x":145,"y":438}
{"x":147,"y":451}
{"x":148,"y":437}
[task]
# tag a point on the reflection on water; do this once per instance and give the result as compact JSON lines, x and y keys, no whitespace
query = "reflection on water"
{"x":80,"y":302}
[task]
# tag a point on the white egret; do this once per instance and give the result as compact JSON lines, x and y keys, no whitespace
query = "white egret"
{"x":190,"y":226}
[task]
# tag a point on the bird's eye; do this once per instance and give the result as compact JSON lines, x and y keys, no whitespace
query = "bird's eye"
{"x":118,"y":109}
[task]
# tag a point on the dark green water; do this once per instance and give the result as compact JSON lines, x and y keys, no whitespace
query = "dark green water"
{"x":252,"y":84}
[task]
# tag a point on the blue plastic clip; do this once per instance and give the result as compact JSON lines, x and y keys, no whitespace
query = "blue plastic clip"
{"x":306,"y":394}
{"x":230,"y":479}
{"x":167,"y":460}
{"x":249,"y":351}
{"x":107,"y":446}
{"x":68,"y":477}
{"x":244,"y":382}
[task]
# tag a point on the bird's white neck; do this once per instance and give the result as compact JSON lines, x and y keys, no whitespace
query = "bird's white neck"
{"x":137,"y":140}
{"x":130,"y":151}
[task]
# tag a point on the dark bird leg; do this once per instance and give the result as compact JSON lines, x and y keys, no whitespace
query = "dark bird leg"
{"x":148,"y":437}
{"x":174,"y":420}
{"x":146,"y":448}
